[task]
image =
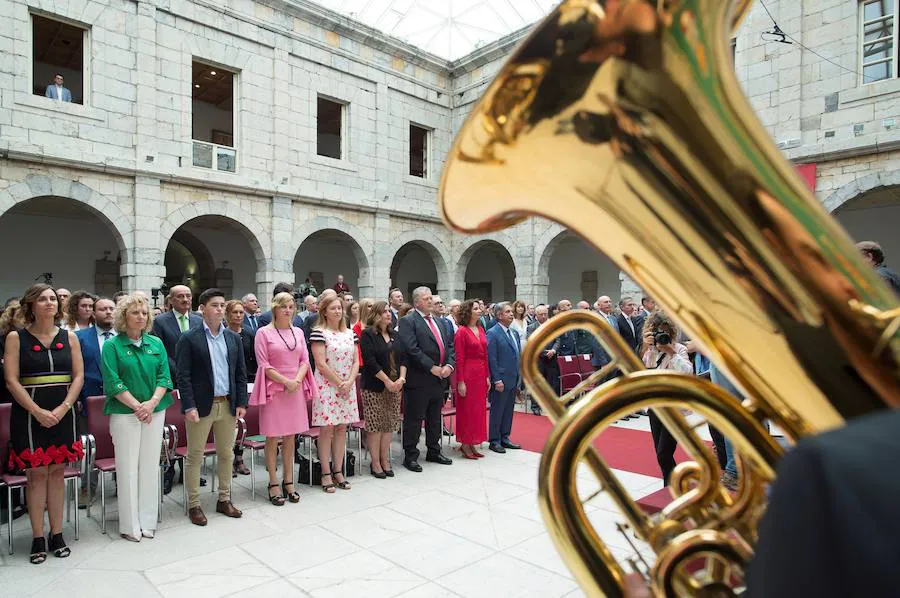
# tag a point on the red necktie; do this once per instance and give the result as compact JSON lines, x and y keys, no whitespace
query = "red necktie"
{"x":437,"y":336}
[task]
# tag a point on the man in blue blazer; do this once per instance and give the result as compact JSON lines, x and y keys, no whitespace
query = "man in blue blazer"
{"x":212,"y":386}
{"x":56,"y":91}
{"x":169,"y":326}
{"x":504,"y":351}
{"x":91,"y":341}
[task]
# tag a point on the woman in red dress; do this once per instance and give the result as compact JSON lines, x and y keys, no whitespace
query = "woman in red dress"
{"x":471,"y":380}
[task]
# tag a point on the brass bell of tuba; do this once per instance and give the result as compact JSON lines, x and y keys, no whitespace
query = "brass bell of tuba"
{"x":623,"y":121}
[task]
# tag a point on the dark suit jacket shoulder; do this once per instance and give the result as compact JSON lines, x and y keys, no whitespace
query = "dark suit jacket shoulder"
{"x":90,"y":354}
{"x":421,"y":351}
{"x":831,"y":528}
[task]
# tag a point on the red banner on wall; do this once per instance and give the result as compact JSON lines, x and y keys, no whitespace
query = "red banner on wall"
{"x":808,"y":173}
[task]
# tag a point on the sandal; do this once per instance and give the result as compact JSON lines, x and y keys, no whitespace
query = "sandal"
{"x":38,"y":551}
{"x":292,"y":496}
{"x":58,"y":546}
{"x":345,"y":485}
{"x":278,"y":500}
{"x":328,"y":488}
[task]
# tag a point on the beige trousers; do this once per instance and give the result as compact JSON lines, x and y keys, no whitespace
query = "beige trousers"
{"x":221,"y":422}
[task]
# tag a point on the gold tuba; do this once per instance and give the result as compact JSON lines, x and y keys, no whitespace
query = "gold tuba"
{"x":623,"y":121}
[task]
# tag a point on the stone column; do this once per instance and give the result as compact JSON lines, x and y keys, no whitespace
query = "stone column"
{"x":380,"y":259}
{"x":143,"y":268}
{"x":281,"y":267}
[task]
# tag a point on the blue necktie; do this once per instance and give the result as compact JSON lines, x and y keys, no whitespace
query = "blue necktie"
{"x":513,"y":341}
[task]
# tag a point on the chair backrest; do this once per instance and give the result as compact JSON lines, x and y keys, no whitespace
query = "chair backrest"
{"x":5,"y":414}
{"x":98,"y":427}
{"x":309,"y":413}
{"x":251,"y":418}
{"x":453,"y":388}
{"x":174,"y":417}
{"x":584,"y":365}
{"x":568,"y":365}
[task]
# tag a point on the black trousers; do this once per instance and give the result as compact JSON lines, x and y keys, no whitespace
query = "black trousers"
{"x":423,"y":403}
{"x":719,"y":442}
{"x":665,"y":446}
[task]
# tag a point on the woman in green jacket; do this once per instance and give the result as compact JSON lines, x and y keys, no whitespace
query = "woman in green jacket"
{"x":137,"y":382}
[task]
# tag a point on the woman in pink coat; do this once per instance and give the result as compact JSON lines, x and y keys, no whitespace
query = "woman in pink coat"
{"x":284,"y":384}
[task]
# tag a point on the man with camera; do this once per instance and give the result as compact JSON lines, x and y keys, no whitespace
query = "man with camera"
{"x":661,"y":352}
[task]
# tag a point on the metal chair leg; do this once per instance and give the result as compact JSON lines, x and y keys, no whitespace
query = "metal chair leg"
{"x":102,"y":502}
{"x":252,"y":474}
{"x":76,"y":486}
{"x":9,"y":518}
{"x":309,"y":461}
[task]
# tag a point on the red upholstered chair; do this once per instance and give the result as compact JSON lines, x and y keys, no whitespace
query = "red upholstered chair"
{"x":569,"y":373}
{"x":248,"y":427}
{"x":309,"y":437}
{"x":13,"y":482}
{"x":101,"y":451}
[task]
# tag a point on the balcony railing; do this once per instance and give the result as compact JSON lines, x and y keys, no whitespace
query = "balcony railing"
{"x":216,"y":157}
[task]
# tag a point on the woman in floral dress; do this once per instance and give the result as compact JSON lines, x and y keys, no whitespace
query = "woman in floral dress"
{"x":337,"y":364}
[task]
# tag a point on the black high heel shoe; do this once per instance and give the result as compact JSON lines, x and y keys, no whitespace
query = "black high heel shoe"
{"x":294,"y":496}
{"x":38,"y":550}
{"x":58,"y":546}
{"x":277,"y":500}
{"x":377,"y":474}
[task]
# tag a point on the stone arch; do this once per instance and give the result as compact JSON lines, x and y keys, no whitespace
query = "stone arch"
{"x":355,"y":234}
{"x":861,"y":185}
{"x":107,"y":210}
{"x":433,"y":246}
{"x":502,"y":244}
{"x":249,"y":225}
{"x":583,"y":273}
{"x":545,"y":247}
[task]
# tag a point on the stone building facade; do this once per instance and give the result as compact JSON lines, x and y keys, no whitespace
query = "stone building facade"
{"x":831,"y":99}
{"x":117,"y":189}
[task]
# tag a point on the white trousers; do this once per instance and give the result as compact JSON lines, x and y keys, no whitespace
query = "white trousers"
{"x":137,"y":470}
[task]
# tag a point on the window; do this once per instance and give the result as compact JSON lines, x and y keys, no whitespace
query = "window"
{"x":212,"y":121}
{"x":330,"y":117}
{"x":418,"y":151}
{"x":878,"y":47}
{"x":58,"y":59}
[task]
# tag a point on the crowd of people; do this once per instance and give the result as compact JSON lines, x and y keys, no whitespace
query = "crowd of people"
{"x":331,"y":364}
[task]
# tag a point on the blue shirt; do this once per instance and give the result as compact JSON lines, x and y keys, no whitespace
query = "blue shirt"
{"x":218,"y":355}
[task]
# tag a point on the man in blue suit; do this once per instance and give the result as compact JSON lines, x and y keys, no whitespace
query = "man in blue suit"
{"x":56,"y":91}
{"x":503,"y":361}
{"x":265,"y":318}
{"x":91,"y":341}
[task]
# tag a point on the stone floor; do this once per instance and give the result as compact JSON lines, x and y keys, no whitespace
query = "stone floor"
{"x":471,"y":529}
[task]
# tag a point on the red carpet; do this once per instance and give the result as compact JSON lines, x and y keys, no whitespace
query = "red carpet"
{"x":628,"y":450}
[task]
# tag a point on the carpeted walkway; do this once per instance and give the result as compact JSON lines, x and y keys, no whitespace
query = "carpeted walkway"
{"x":621,"y":448}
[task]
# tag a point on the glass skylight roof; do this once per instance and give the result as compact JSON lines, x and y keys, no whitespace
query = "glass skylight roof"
{"x":447,"y":28}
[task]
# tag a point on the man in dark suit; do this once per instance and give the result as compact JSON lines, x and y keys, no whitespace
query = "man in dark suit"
{"x":91,"y":340}
{"x":430,"y":361}
{"x":266,"y":317}
{"x":831,"y":526}
{"x":504,"y":352}
{"x":547,"y":366}
{"x":212,"y":384}
{"x":395,"y":300}
{"x":628,"y":329}
{"x":251,"y":313}
{"x":488,"y":318}
{"x":169,"y":326}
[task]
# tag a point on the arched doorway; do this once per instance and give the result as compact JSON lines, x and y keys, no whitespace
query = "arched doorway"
{"x":326,"y":253}
{"x":577,"y":271}
{"x":64,"y":238}
{"x":213,"y":251}
{"x":415,"y":265}
{"x":874,"y":216}
{"x":490,"y":272}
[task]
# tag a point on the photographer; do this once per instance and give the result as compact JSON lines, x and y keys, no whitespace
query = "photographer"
{"x":661,"y":352}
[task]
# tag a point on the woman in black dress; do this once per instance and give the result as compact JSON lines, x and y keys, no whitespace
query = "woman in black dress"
{"x":44,"y":372}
